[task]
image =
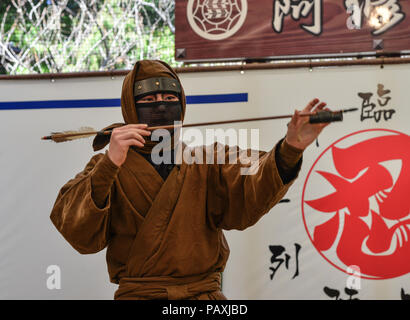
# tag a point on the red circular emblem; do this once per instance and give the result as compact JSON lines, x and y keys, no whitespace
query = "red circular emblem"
{"x":356,"y":203}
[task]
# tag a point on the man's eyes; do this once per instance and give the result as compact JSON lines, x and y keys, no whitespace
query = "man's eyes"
{"x":152,"y":98}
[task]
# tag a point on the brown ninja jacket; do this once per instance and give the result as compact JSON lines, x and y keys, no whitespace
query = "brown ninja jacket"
{"x":164,"y":239}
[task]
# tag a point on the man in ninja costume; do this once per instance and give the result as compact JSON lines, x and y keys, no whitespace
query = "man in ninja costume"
{"x":162,"y":223}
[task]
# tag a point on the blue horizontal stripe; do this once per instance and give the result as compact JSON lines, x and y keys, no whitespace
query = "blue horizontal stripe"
{"x":60,"y":104}
{"x":99,"y":103}
{"x":217,"y":98}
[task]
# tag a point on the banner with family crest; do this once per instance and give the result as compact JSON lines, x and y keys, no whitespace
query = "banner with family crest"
{"x":209,"y":30}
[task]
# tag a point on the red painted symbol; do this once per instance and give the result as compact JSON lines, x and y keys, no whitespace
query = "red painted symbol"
{"x":356,"y":203}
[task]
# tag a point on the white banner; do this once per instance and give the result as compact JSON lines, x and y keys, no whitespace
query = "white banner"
{"x":346,"y":214}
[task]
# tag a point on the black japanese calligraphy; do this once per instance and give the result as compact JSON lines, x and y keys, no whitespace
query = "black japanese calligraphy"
{"x":277,"y":251}
{"x":350,"y":292}
{"x":333,"y":293}
{"x":372,"y":111}
{"x":403,"y":295}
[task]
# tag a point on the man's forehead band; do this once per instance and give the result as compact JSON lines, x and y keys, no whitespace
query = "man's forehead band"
{"x":154,"y":85}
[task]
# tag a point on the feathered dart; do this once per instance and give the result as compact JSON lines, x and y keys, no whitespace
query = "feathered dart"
{"x":85,"y":132}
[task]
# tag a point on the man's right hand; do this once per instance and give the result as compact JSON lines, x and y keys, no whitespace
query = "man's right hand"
{"x":124,"y":137}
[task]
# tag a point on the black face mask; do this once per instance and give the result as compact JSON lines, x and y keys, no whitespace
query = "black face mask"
{"x":159,"y":113}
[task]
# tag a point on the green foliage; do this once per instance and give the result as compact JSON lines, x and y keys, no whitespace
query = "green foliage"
{"x":105,"y":35}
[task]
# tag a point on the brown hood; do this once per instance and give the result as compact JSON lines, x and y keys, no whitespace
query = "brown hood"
{"x":143,"y":69}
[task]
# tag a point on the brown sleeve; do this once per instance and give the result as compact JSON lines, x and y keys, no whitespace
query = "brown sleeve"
{"x":288,"y":160}
{"x":102,"y":179}
{"x":236,"y":201}
{"x":78,"y":213}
